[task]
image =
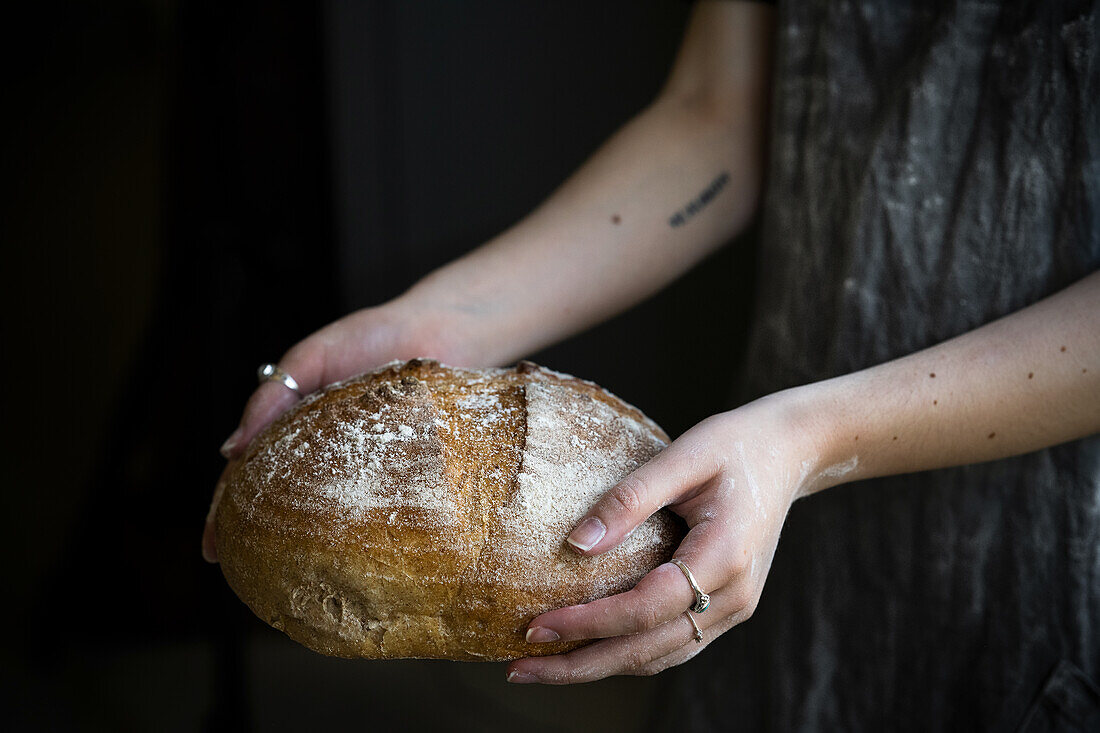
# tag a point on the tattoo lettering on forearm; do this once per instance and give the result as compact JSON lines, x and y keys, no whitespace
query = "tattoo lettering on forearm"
{"x":696,"y":205}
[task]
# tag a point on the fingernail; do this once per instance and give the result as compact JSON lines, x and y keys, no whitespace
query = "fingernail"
{"x":537,"y":634}
{"x":587,"y":534}
{"x":231,"y":442}
{"x":522,"y":678}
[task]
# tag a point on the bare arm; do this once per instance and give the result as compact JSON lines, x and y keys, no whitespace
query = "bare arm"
{"x":675,"y":183}
{"x":1025,"y":382}
{"x":671,"y":186}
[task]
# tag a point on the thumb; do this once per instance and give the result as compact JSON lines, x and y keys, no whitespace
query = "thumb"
{"x":658,"y":483}
{"x":306,"y":363}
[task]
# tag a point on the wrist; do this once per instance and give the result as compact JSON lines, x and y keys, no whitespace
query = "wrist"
{"x":430,"y":327}
{"x":816,"y":417}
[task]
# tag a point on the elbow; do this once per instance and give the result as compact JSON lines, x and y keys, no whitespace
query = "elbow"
{"x":718,"y":108}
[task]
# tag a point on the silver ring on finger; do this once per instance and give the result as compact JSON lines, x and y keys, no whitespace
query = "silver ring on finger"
{"x":702,"y":600}
{"x":272,"y":373}
{"x":698,"y":632}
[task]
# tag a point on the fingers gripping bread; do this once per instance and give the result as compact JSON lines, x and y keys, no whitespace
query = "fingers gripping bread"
{"x":421,"y":510}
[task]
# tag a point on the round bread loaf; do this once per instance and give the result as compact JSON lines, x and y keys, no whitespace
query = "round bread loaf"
{"x":421,"y":510}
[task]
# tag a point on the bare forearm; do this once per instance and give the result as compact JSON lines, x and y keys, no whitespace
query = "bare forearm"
{"x":1024,"y":382}
{"x":675,"y":183}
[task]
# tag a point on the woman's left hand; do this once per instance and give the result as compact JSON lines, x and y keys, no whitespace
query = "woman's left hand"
{"x":732,"y":477}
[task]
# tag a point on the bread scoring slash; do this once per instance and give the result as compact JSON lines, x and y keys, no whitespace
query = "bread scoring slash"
{"x":421,"y":510}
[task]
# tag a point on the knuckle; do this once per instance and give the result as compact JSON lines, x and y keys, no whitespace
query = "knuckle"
{"x":650,"y":669}
{"x":738,"y":562}
{"x":741,"y":597}
{"x":644,"y":616}
{"x":629,"y":495}
{"x":636,"y":660}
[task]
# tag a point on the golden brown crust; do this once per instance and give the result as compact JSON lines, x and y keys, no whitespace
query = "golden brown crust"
{"x":421,"y":510}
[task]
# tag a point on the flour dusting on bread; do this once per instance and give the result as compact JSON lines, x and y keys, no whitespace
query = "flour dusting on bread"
{"x":421,"y":510}
{"x":577,"y":447}
{"x":361,"y":454}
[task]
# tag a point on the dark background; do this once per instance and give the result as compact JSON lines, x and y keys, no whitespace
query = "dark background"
{"x":190,"y":188}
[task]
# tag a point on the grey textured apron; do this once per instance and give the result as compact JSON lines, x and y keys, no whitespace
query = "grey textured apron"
{"x":934,"y":166}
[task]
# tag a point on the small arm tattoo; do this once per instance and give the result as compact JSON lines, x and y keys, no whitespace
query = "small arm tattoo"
{"x":696,"y":205}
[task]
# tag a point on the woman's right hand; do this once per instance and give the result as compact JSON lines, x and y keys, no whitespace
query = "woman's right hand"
{"x":344,"y":348}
